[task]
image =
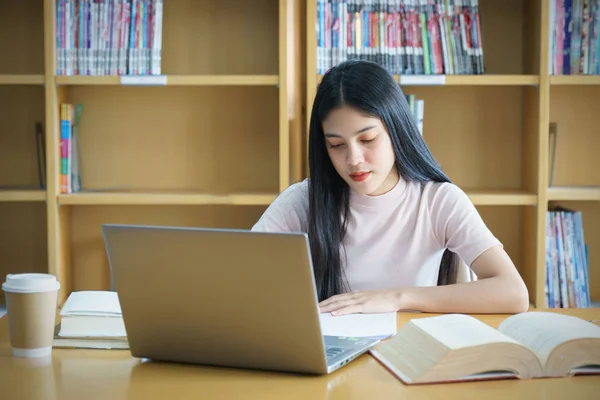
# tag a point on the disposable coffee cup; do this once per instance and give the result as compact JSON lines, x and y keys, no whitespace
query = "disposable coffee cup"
{"x":31,"y":302}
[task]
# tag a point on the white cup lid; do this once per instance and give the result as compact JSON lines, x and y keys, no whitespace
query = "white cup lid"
{"x":30,"y":283}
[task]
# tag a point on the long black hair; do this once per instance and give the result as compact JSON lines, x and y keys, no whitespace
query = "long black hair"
{"x":370,"y":89}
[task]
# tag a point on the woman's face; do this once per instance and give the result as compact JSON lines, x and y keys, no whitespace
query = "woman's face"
{"x":361,"y":151}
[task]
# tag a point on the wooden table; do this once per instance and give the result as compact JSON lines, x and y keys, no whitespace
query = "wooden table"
{"x":114,"y":374}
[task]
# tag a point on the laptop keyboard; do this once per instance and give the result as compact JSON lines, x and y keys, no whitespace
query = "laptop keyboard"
{"x":333,"y":351}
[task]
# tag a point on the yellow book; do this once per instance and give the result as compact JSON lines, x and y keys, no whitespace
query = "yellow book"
{"x":458,"y":347}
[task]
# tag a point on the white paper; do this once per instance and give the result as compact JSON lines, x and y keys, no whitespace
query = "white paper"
{"x":379,"y":325}
{"x":422,"y":80}
{"x":144,"y":80}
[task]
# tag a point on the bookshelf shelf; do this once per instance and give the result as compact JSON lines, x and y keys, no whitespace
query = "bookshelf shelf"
{"x":474,"y":80}
{"x":501,"y":197}
{"x":574,"y":80}
{"x":262,"y":80}
{"x":149,"y":198}
{"x":463,"y":80}
{"x":22,"y":195}
{"x":574,"y":193}
{"x":492,"y":80}
{"x":171,"y":80}
{"x":21,"y":79}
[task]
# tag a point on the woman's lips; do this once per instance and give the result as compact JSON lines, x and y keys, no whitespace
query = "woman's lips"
{"x":359,"y":176}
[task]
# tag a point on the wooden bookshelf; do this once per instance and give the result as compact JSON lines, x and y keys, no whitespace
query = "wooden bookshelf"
{"x":576,"y":185}
{"x":23,"y":226}
{"x":210,"y":141}
{"x":489,"y":132}
{"x":213,"y":139}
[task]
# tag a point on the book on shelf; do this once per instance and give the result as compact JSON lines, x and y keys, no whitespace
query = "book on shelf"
{"x":40,"y":152}
{"x":70,"y":174}
{"x":91,"y":319}
{"x":574,"y":45}
{"x":567,"y":260}
{"x":40,"y":147}
{"x":417,"y":109}
{"x":408,"y":37}
{"x":458,"y":347}
{"x":108,"y":37}
{"x":552,"y":147}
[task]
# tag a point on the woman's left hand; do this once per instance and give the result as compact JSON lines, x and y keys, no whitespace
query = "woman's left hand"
{"x":362,"y":302}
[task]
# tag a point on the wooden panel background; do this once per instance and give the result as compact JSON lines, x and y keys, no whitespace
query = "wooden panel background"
{"x":220,"y":37}
{"x":20,"y":108}
{"x":23,"y":234}
{"x":22,"y":37}
{"x":475,"y":133}
{"x":504,"y":33}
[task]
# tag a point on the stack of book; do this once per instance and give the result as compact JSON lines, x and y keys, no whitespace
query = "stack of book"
{"x":408,"y":37}
{"x":108,"y":37}
{"x":567,"y":260}
{"x":93,"y":320}
{"x":574,"y":46}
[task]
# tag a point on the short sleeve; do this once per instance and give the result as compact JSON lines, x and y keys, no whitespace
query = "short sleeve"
{"x":288,"y":212}
{"x":458,"y":225}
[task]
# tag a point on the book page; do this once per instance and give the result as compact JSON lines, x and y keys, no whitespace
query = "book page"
{"x":379,"y":325}
{"x":457,"y":331}
{"x":543,"y":331}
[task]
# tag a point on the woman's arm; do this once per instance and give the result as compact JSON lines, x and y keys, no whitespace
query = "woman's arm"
{"x":499,"y":289}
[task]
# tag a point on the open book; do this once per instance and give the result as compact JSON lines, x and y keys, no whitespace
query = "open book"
{"x":457,"y":347}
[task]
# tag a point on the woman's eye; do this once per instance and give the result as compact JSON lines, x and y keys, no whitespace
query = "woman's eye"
{"x":333,"y":146}
{"x":369,"y":140}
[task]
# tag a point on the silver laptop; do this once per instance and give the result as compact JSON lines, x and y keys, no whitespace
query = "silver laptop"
{"x":222,"y":297}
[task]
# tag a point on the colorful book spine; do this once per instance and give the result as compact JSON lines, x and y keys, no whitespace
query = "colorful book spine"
{"x":574,"y":42}
{"x":65,"y":147}
{"x":108,"y":37}
{"x":408,"y":37}
{"x":70,"y":174}
{"x":567,"y":262}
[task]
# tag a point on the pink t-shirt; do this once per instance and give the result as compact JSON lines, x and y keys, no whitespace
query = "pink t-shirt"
{"x":396,"y":239}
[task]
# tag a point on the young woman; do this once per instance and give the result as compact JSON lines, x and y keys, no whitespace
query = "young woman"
{"x":388,"y":231}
